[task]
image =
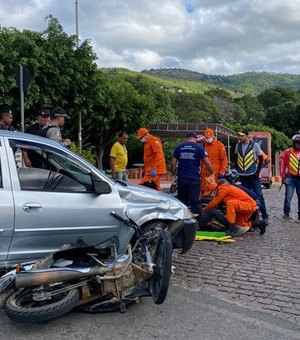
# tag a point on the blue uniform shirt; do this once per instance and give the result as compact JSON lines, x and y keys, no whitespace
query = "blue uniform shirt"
{"x":189,"y":156}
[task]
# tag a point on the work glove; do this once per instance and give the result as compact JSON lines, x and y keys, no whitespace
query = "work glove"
{"x":153,"y":172}
{"x":220,"y":176}
{"x":210,"y":179}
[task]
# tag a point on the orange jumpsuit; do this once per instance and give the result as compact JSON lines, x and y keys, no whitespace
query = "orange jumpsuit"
{"x":153,"y":159}
{"x":239,"y":205}
{"x":218,"y":158}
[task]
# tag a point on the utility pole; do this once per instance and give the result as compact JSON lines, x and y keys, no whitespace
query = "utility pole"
{"x":79,"y":114}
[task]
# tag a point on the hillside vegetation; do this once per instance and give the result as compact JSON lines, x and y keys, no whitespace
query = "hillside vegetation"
{"x":251,"y":83}
{"x":168,"y":83}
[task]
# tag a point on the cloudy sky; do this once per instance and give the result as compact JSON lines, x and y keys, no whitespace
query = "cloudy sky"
{"x":208,"y":36}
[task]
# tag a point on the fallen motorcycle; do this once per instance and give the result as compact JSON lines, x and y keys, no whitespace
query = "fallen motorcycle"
{"x":91,"y":278}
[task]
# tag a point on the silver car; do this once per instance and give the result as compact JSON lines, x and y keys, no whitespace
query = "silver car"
{"x":61,"y":198}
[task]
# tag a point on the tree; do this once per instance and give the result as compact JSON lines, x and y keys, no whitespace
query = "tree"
{"x":229,"y":110}
{"x":61,"y":73}
{"x":123,"y":104}
{"x":282,"y":107}
{"x":253,"y":108}
{"x":194,"y":108}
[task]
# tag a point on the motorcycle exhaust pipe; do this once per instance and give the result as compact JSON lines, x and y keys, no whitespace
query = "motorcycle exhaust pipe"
{"x":48,"y":276}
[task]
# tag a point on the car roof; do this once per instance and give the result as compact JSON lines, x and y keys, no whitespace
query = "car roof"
{"x":27,"y":136}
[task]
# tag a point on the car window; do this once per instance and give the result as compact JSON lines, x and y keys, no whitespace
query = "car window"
{"x":44,"y":168}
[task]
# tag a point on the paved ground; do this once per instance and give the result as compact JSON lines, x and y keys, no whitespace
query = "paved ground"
{"x":260,"y":272}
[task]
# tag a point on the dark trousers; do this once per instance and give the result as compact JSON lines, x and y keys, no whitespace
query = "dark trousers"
{"x":252,"y":182}
{"x":188,"y":193}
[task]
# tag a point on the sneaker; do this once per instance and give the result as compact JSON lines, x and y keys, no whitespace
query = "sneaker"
{"x":261,"y":225}
{"x":266,"y":220}
{"x":235,"y":230}
{"x":286,"y":217}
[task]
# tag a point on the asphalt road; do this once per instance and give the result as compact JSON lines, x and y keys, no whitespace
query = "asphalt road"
{"x":184,"y":315}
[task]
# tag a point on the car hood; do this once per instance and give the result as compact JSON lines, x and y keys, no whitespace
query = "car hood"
{"x":143,"y":204}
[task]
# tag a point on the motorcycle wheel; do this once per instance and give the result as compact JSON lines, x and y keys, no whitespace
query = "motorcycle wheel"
{"x":160,"y":279}
{"x":21,"y":307}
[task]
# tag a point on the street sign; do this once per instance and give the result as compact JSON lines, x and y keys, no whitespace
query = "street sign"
{"x":24,"y":77}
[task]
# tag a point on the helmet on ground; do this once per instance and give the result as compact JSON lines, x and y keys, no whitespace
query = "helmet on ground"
{"x":231,"y":177}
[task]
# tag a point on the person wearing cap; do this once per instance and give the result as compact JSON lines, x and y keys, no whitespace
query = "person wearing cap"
{"x":6,"y":119}
{"x":53,"y":129}
{"x":185,"y":163}
{"x":154,"y":159}
{"x":290,"y":174}
{"x":239,"y":206}
{"x":217,"y":155}
{"x":247,"y":222}
{"x":249,"y":162}
{"x":29,"y":157}
{"x":118,"y":157}
{"x":43,"y":120}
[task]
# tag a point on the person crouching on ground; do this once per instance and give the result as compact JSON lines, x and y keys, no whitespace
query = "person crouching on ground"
{"x":239,"y":206}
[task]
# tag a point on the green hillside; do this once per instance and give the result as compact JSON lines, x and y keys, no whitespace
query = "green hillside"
{"x":172,"y":85}
{"x":249,"y":83}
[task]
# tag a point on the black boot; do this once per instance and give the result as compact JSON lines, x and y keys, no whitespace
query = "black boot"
{"x":235,"y":230}
{"x":261,"y":225}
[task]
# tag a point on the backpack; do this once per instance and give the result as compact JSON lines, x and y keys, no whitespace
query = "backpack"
{"x":44,"y":130}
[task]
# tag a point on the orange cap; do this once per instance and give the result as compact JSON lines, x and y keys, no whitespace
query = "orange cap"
{"x":209,"y":187}
{"x":209,"y":133}
{"x":141,"y":133}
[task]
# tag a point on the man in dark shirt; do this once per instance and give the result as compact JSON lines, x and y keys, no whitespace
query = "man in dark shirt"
{"x":44,"y":118}
{"x":189,"y":155}
{"x":6,"y":119}
{"x":30,"y":157}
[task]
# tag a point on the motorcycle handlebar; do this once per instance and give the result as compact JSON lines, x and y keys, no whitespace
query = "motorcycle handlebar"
{"x":127,"y":221}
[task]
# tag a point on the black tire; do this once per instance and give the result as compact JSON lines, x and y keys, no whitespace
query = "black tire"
{"x":21,"y":307}
{"x":160,"y":279}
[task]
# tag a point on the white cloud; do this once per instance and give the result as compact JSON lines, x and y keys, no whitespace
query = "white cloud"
{"x":209,"y":36}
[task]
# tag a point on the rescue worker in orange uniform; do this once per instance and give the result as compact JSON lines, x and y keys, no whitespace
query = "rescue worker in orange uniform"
{"x":217,"y":156}
{"x":154,"y":159}
{"x":239,"y":205}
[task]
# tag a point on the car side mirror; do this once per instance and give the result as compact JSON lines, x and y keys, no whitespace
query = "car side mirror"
{"x":101,"y":187}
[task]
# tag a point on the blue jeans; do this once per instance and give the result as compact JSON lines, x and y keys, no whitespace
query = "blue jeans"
{"x":122,"y":176}
{"x":291,"y":183}
{"x":188,"y":193}
{"x":252,"y":182}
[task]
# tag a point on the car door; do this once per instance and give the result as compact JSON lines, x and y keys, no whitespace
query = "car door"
{"x":55,"y":203}
{"x":6,"y":206}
